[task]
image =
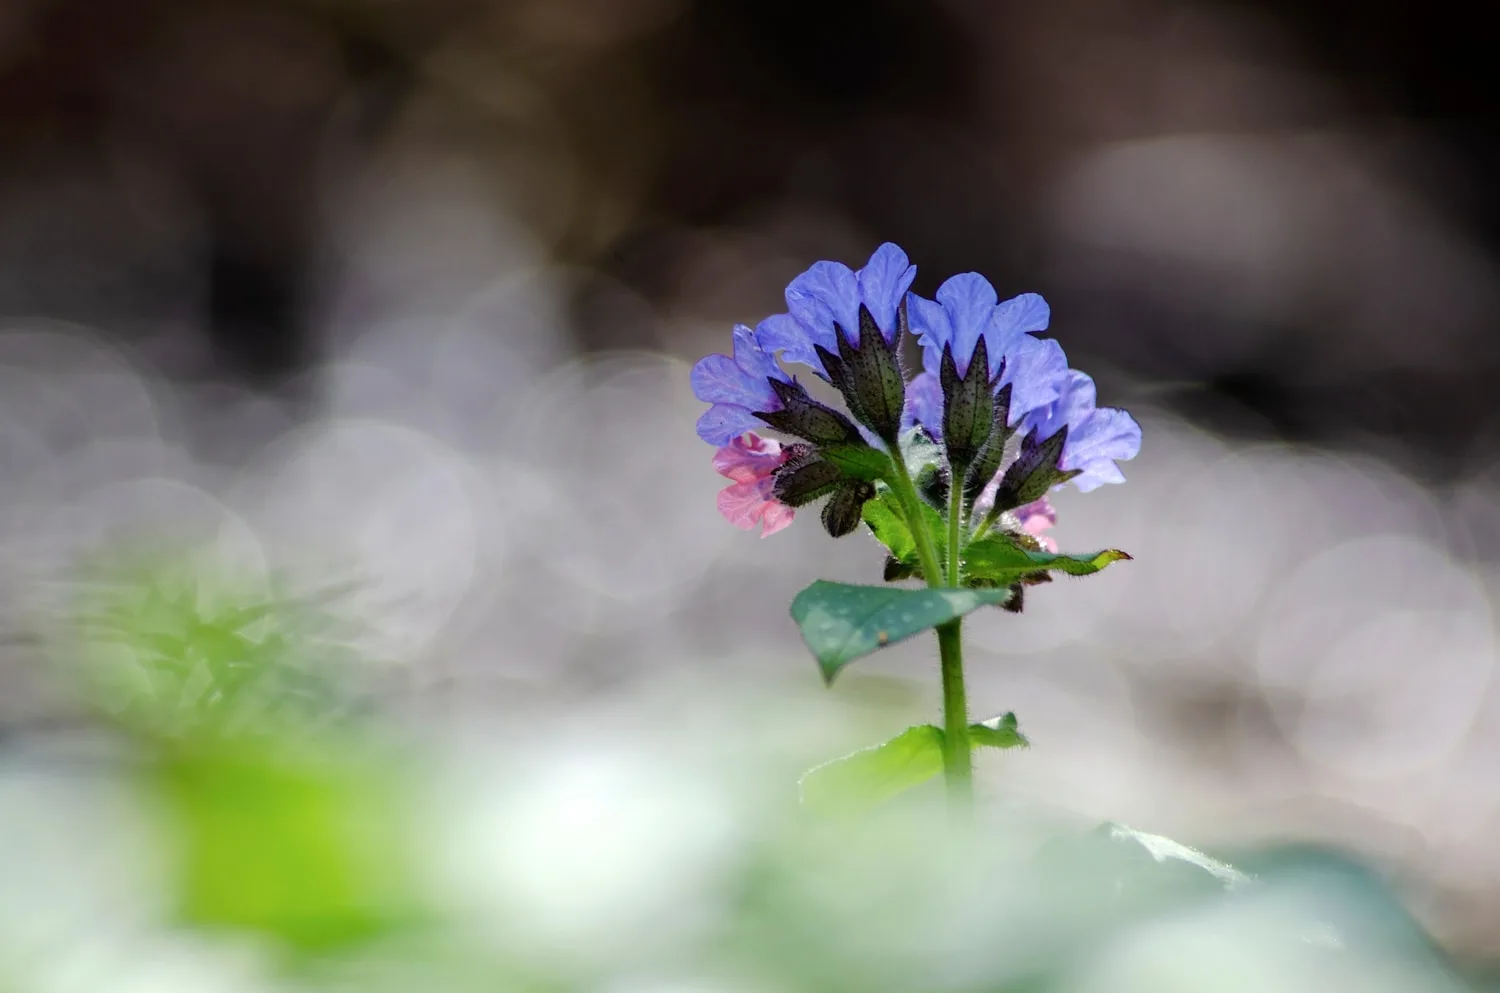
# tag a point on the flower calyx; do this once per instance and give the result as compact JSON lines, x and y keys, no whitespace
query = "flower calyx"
{"x":869,"y":374}
{"x":810,"y":474}
{"x":1036,"y":470}
{"x":803,"y":417}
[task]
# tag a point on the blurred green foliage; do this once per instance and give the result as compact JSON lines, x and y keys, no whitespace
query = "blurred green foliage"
{"x":290,"y":818}
{"x":280,"y":813}
{"x":312,"y":847}
{"x":169,"y":651}
{"x":865,"y":779}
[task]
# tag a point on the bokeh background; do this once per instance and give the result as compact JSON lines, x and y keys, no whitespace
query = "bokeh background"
{"x":397,"y":299}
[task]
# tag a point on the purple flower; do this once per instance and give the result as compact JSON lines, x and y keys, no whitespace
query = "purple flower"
{"x":966,"y":310}
{"x":738,"y":387}
{"x":1097,"y":436}
{"x":828,"y":296}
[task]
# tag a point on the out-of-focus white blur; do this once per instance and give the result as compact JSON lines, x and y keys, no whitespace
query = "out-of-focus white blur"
{"x":1303,"y":645}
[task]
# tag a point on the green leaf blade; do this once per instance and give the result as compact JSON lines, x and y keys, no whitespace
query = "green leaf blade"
{"x":998,"y":732}
{"x":998,"y":559}
{"x":841,"y":622}
{"x":888,"y":526}
{"x":858,"y":461}
{"x":871,"y":776}
{"x":887,"y":521}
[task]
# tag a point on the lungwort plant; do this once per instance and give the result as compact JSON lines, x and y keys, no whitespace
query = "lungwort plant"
{"x":950,"y":469}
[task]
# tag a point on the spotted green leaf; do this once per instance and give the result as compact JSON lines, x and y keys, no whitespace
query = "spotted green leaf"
{"x":842,"y":622}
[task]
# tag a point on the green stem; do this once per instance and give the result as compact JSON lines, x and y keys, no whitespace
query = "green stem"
{"x":911,"y":506}
{"x":958,"y":768}
{"x":955,"y":526}
{"x":957,"y":752}
{"x":957,"y":760}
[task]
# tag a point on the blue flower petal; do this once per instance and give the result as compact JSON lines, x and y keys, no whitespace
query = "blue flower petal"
{"x":826,"y":293}
{"x":1097,"y":475}
{"x":924,"y":404}
{"x":929,"y":322}
{"x":743,"y":380}
{"x":1105,"y":436}
{"x":750,"y":355}
{"x":1097,"y":436}
{"x":1045,"y":394}
{"x":871,"y":438}
{"x":1019,"y":314}
{"x":829,"y":294}
{"x":718,"y":379}
{"x":724,"y":422}
{"x":1013,"y":320}
{"x":784,"y":333}
{"x":970,"y":301}
{"x":1035,"y":370}
{"x":883,"y":282}
{"x":1074,"y":402}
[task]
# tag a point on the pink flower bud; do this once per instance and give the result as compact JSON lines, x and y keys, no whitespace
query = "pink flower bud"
{"x":751,"y":461}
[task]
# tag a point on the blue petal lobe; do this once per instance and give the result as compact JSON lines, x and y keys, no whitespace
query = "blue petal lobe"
{"x":1074,"y":402}
{"x":1105,"y":436}
{"x":1019,"y":314}
{"x":724,"y":422}
{"x":882,"y":283}
{"x":753,"y":359}
{"x":924,"y":404}
{"x":1036,"y":371}
{"x":929,"y":322}
{"x":719,"y":379}
{"x":1078,"y":397}
{"x":784,"y":333}
{"x":1012,"y":321}
{"x":825,"y":293}
{"x":969,"y":300}
{"x":1098,"y":475}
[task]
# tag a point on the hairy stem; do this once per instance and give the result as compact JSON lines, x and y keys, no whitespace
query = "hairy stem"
{"x":911,"y":506}
{"x":955,"y":525}
{"x":957,"y":760}
{"x":957,"y":753}
{"x":958,"y":768}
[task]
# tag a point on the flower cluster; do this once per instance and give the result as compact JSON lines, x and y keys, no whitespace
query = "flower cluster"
{"x":1011,"y":420}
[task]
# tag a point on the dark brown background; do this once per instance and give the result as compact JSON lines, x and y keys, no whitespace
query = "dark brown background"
{"x":938,"y":125}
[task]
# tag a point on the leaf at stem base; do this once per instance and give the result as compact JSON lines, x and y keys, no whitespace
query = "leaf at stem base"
{"x":871,"y":776}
